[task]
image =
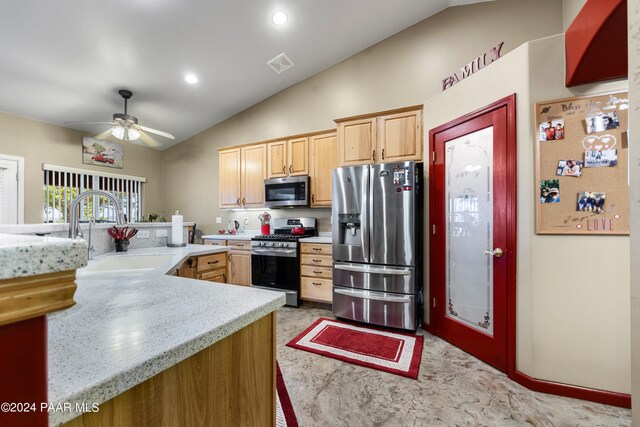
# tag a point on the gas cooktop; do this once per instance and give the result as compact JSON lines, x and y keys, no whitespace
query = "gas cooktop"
{"x":283,"y":237}
{"x":282,"y":228}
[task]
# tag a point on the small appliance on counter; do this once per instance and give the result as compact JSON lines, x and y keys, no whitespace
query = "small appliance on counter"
{"x":286,"y":192}
{"x":377,"y":218}
{"x":275,"y":258}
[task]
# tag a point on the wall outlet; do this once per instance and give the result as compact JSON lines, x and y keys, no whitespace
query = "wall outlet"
{"x":218,"y":220}
{"x":161,"y":233}
{"x":143,"y":234}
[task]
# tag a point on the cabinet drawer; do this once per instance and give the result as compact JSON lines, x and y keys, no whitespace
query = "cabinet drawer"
{"x":215,"y":242}
{"x":210,"y":262}
{"x":316,"y":289}
{"x":316,"y":248}
{"x":240,"y":244}
{"x":321,"y":260}
{"x":219,"y":275}
{"x":313,"y":271}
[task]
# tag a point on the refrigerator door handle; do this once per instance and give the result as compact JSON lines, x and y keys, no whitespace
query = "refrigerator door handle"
{"x":365,"y":228}
{"x":373,"y":270}
{"x":373,"y":296}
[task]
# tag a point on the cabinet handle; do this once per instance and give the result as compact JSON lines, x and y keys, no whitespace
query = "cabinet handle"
{"x":317,"y":249}
{"x":284,"y":169}
{"x":290,"y":168}
{"x":238,"y":202}
{"x":224,"y":278}
{"x":317,"y":284}
{"x":243,"y":201}
{"x":317,"y":272}
{"x":316,"y":260}
{"x":229,"y":257}
{"x":313,"y":198}
{"x":383,"y":154}
{"x":374,"y":155}
{"x":213,"y":262}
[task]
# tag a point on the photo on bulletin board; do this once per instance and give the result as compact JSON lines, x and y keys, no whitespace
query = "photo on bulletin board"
{"x":584,"y":178}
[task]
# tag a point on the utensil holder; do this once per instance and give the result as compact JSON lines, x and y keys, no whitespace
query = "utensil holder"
{"x":122,"y":245}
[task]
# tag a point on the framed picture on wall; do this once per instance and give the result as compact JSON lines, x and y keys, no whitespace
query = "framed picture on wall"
{"x":102,"y":153}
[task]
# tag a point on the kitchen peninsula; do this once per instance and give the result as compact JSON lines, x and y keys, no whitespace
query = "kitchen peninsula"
{"x":146,"y":348}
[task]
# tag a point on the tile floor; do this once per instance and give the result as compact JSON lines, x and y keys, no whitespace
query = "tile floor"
{"x":453,"y":389}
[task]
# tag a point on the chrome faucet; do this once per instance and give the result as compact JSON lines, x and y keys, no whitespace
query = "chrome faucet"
{"x":74,"y":216}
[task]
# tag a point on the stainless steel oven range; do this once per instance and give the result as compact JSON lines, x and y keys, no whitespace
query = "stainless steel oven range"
{"x":275,"y":258}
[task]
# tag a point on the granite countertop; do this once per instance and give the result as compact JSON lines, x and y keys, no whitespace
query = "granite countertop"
{"x":128,"y":327}
{"x":22,"y":256}
{"x":247,"y":235}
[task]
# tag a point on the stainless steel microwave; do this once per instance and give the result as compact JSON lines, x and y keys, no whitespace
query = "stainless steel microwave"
{"x":284,"y":192}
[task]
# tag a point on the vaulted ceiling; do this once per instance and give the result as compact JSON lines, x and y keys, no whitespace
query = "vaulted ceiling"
{"x":64,"y":60}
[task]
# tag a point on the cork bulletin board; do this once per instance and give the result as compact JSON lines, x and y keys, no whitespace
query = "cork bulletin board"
{"x":582,"y":165}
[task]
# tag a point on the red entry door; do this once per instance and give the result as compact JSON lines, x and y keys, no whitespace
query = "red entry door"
{"x":472,"y":245}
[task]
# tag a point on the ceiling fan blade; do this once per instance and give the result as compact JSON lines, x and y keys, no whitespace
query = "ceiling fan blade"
{"x":157,"y":132}
{"x":149,"y":140}
{"x":90,"y":123}
{"x":104,"y":135}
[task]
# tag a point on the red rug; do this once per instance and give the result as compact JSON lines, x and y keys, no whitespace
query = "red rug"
{"x":394,"y":352}
{"x":285,"y":416}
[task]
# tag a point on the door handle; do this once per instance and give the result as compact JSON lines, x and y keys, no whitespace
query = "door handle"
{"x":497,"y":252}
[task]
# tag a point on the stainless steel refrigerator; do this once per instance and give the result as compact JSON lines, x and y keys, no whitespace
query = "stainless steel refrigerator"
{"x":377,"y":218}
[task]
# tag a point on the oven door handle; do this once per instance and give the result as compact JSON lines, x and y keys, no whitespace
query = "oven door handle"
{"x":373,"y":270}
{"x":372,"y":295}
{"x":290,"y":253}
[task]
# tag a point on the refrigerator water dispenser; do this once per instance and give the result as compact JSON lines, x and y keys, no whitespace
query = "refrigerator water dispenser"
{"x":350,"y":232}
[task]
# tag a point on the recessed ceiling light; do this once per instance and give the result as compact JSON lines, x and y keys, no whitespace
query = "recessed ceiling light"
{"x":191,"y":79}
{"x":279,"y":18}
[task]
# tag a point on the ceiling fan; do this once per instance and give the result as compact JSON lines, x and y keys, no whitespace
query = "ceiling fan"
{"x":125,"y":126}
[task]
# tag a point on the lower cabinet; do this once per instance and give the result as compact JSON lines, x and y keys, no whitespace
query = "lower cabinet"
{"x":239,"y":260}
{"x":212,"y":268}
{"x":316,"y":271}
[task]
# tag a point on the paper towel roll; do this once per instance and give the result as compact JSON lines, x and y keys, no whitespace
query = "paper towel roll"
{"x":176,"y":228}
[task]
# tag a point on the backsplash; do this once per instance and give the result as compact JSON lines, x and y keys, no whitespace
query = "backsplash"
{"x":103,"y":243}
{"x":323,"y":216}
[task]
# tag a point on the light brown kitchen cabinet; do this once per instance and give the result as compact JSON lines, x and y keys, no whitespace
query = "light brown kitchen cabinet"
{"x":239,"y":260}
{"x":357,"y":141}
{"x":253,"y":171}
{"x":298,"y":156}
{"x":400,"y":136}
{"x":288,"y":158}
{"x":212,"y":268}
{"x":229,"y":178}
{"x":277,"y":159}
{"x":388,"y":136}
{"x":323,"y":158}
{"x":316,"y":281}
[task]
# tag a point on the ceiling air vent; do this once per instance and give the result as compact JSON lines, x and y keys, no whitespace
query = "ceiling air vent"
{"x":280,"y":63}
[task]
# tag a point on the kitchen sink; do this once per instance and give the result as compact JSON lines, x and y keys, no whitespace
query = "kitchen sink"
{"x":124,"y":263}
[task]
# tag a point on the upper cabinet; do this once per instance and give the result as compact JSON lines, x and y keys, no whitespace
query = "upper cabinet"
{"x":323,"y":158}
{"x":253,"y":173}
{"x":242,"y":172}
{"x":288,"y":157}
{"x":357,"y":141}
{"x":277,"y":159}
{"x":229,"y":178}
{"x":388,"y":136}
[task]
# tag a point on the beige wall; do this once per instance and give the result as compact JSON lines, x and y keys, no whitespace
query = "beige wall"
{"x":40,"y":142}
{"x":634,"y":151}
{"x":570,"y":331}
{"x":403,"y":70}
{"x":570,"y":11}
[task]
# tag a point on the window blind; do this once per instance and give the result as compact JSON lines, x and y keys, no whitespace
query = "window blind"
{"x":63,"y":184}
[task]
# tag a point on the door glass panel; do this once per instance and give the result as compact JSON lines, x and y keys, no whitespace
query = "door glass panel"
{"x":469,"y":230}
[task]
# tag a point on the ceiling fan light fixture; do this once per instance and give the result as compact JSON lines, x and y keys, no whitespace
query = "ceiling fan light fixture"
{"x":125,"y":134}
